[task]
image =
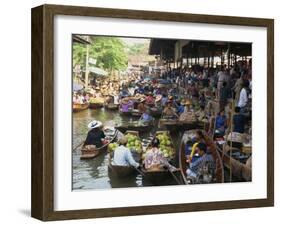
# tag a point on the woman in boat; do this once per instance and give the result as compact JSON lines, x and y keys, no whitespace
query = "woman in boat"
{"x":205,"y":160}
{"x":187,"y":115}
{"x":126,"y":104}
{"x":221,"y":122}
{"x":146,"y":118}
{"x":123,"y":156}
{"x":169,"y":112}
{"x":141,"y":106}
{"x":149,"y":99}
{"x":154,"y":158}
{"x":95,"y":136}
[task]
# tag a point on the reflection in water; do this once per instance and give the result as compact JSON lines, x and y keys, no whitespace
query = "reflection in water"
{"x":93,"y":173}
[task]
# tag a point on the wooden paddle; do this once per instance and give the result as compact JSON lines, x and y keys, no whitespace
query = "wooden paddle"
{"x":78,"y":145}
{"x":174,"y":176}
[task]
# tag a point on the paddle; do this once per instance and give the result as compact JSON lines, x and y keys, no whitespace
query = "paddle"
{"x":174,"y":176}
{"x":78,"y":146}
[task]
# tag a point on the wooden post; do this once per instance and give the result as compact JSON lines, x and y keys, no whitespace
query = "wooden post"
{"x":87,"y":64}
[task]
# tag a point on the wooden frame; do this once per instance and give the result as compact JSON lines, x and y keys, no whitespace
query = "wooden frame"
{"x":43,"y":108}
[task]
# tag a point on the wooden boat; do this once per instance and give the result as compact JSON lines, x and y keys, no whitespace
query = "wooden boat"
{"x":162,"y":176}
{"x":169,"y":124}
{"x":187,"y":137}
{"x":95,"y":105}
{"x":237,"y":162}
{"x":136,"y":126}
{"x":79,"y":107}
{"x":155,"y":112}
{"x":111,"y":106}
{"x":94,"y":152}
{"x":124,"y":171}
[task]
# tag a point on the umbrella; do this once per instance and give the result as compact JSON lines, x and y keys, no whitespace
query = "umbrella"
{"x":97,"y":71}
{"x":77,"y":87}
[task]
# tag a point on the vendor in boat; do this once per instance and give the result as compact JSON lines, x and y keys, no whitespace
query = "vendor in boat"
{"x":95,"y":136}
{"x":154,"y":159}
{"x":126,"y":104}
{"x":141,"y":106}
{"x":158,"y":101}
{"x":146,"y":118}
{"x":149,"y":99}
{"x":180,"y":107}
{"x":238,"y":121}
{"x":201,"y":114}
{"x":188,"y":114}
{"x":169,"y":112}
{"x":204,"y":160}
{"x":221,"y":123}
{"x":123,"y":156}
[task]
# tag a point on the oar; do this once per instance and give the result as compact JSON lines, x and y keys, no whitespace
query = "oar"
{"x":78,"y":146}
{"x":174,"y":176}
{"x":139,"y":171}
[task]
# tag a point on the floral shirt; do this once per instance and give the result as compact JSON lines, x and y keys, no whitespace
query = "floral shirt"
{"x":154,"y":158}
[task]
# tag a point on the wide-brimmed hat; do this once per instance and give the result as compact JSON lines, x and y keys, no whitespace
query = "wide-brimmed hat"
{"x":186,"y":102}
{"x":142,"y":99}
{"x":94,"y":124}
{"x":158,"y":98}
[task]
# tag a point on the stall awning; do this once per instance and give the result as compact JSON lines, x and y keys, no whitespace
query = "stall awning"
{"x":98,"y":71}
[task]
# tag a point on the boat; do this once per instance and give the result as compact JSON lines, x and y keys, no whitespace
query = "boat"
{"x":79,"y":107}
{"x":136,"y":126}
{"x":162,"y":176}
{"x":111,"y":106}
{"x":237,"y":159}
{"x":125,"y":171}
{"x":155,"y":112}
{"x":94,"y":152}
{"x":169,"y":124}
{"x":218,"y":177}
{"x":95,"y":105}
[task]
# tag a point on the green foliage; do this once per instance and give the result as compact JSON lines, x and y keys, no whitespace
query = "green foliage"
{"x":108,"y":51}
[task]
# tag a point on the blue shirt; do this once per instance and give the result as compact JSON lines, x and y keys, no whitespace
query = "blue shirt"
{"x":238,"y":123}
{"x":201,"y":162}
{"x":220,"y":122}
{"x":123,"y":157}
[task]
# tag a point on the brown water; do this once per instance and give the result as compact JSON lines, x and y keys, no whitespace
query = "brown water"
{"x":93,"y":173}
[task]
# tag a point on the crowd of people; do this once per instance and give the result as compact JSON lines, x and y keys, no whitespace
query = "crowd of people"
{"x":219,"y":97}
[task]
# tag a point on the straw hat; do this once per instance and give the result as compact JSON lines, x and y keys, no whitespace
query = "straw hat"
{"x":94,"y":124}
{"x":187,"y":102}
{"x":123,"y":140}
{"x":142,"y":99}
{"x":158,"y":98}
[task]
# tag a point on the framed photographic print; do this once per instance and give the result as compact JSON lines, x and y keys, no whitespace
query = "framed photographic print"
{"x":141,"y":112}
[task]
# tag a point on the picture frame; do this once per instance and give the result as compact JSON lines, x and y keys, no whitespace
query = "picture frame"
{"x":42,"y":192}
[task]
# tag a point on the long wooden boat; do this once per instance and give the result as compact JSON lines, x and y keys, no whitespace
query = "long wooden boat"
{"x":155,"y":112}
{"x":135,"y":126}
{"x":187,"y":137}
{"x":79,"y":107}
{"x":124,"y":171}
{"x":94,"y":152}
{"x":111,"y":106}
{"x":169,"y":124}
{"x":241,"y":168}
{"x":162,"y":176}
{"x":95,"y":105}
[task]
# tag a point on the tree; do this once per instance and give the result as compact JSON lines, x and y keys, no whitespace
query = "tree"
{"x":108,"y":51}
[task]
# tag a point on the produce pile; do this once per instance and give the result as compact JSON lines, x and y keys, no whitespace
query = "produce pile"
{"x":96,"y":100}
{"x":134,"y":144}
{"x":166,"y":145}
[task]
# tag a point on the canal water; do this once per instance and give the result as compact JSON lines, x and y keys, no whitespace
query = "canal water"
{"x":93,"y":173}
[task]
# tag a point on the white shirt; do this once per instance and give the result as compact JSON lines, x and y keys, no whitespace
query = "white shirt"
{"x":123,"y":157}
{"x":243,"y":98}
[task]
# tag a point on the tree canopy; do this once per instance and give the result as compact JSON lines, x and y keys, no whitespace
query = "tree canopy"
{"x":109,"y":52}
